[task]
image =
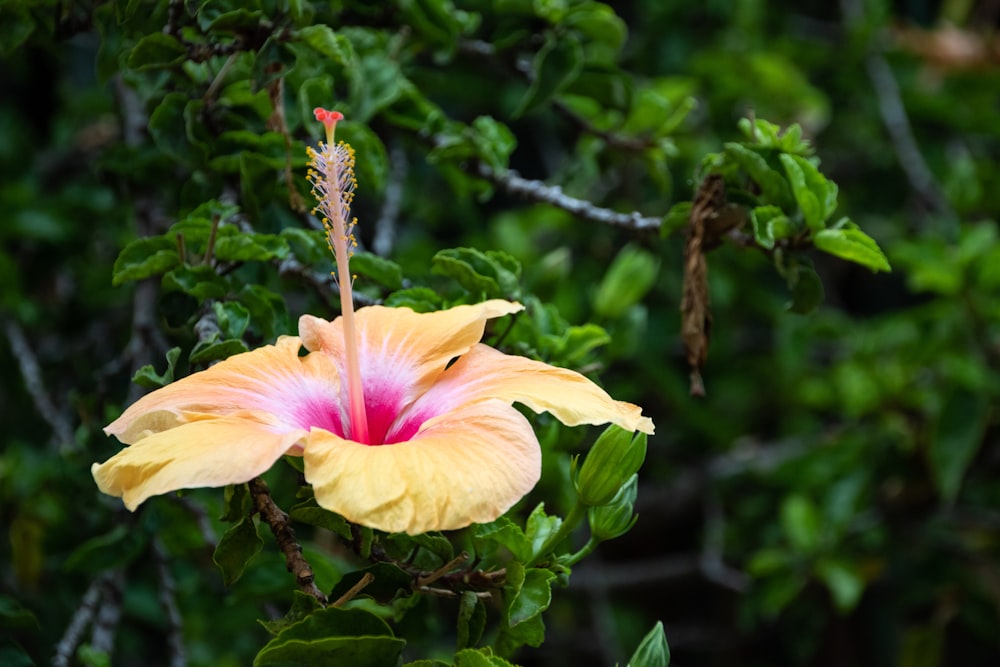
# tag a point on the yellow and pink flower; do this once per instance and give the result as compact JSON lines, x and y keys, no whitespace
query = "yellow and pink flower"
{"x":405,"y":420}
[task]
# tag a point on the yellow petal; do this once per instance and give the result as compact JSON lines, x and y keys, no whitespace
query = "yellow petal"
{"x":208,"y":451}
{"x":487,"y":373}
{"x":469,"y":466}
{"x":272,"y":379}
{"x":405,"y":346}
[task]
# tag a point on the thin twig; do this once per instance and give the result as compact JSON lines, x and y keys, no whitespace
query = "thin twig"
{"x":82,"y":617}
{"x":515,"y":184}
{"x":897,"y":122}
{"x":353,"y":591}
{"x":102,"y":635}
{"x":448,"y":593}
{"x":443,"y":570}
{"x":27,"y":362}
{"x":175,"y":624}
{"x":284,"y":535}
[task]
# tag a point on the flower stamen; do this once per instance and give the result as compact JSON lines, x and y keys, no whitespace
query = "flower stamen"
{"x":332,"y":176}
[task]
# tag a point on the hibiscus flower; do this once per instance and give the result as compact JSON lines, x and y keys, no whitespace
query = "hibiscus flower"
{"x":405,"y":420}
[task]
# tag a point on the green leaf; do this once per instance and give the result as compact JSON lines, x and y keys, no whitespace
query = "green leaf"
{"x":237,"y":503}
{"x":308,"y":245}
{"x":201,"y":282}
{"x":418,"y":299}
{"x":802,"y":523}
{"x":853,"y":245}
{"x":490,"y":274}
{"x":529,"y":592}
{"x":502,"y":532}
{"x":958,"y":435}
{"x":435,"y":543}
{"x":267,"y":309}
{"x":157,"y":50}
{"x":242,"y":247}
{"x":555,"y":66}
{"x":765,"y":133}
{"x":773,"y":186}
{"x":389,"y":580}
{"x":310,"y":513}
{"x":539,"y":528}
{"x":653,"y":650}
{"x":167,"y":126}
{"x":116,"y":548}
{"x":604,"y":31}
{"x":844,"y":581}
{"x":578,"y":341}
{"x":630,"y":276}
{"x":493,"y":142}
{"x":11,"y":655}
{"x":816,"y":196}
{"x":327,"y":43}
{"x":233,"y":318}
{"x":16,"y":25}
{"x":677,"y":218}
{"x":471,"y":619}
{"x":303,"y":605}
{"x":236,"y":549}
{"x":805,"y":286}
{"x":333,"y":636}
{"x":770,"y":224}
{"x":144,"y":258}
{"x":383,"y":271}
{"x":479,"y":658}
{"x":437,"y":21}
{"x":237,"y":20}
{"x":148,"y":377}
{"x":207,"y":351}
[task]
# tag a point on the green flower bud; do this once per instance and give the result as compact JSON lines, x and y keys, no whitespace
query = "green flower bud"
{"x":614,"y":519}
{"x":614,"y":458}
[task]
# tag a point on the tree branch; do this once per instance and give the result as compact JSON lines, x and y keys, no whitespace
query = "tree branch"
{"x":27,"y":362}
{"x":513,"y":183}
{"x":175,"y":624}
{"x":284,"y":535}
{"x":102,"y":634}
{"x":897,"y":123}
{"x":82,"y":617}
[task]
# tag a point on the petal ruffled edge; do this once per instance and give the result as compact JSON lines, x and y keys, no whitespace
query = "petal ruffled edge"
{"x":204,"y":452}
{"x":485,"y":373}
{"x":468,"y":466}
{"x":271,"y":379}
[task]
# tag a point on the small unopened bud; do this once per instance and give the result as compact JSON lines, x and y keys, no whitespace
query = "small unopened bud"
{"x":614,"y":458}
{"x":614,"y":519}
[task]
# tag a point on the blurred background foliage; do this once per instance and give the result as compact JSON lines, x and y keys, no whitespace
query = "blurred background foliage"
{"x":832,"y":500}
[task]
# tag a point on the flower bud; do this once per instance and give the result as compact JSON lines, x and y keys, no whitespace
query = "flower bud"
{"x":614,"y":519}
{"x":614,"y":458}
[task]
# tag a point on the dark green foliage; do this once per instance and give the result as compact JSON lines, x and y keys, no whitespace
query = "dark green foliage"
{"x":832,"y":500}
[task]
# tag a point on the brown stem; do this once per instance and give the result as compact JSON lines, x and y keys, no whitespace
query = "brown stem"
{"x":284,"y":535}
{"x":443,"y":570}
{"x":366,"y":579}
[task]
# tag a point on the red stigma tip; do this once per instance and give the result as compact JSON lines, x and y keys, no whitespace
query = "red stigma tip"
{"x":326,"y":117}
